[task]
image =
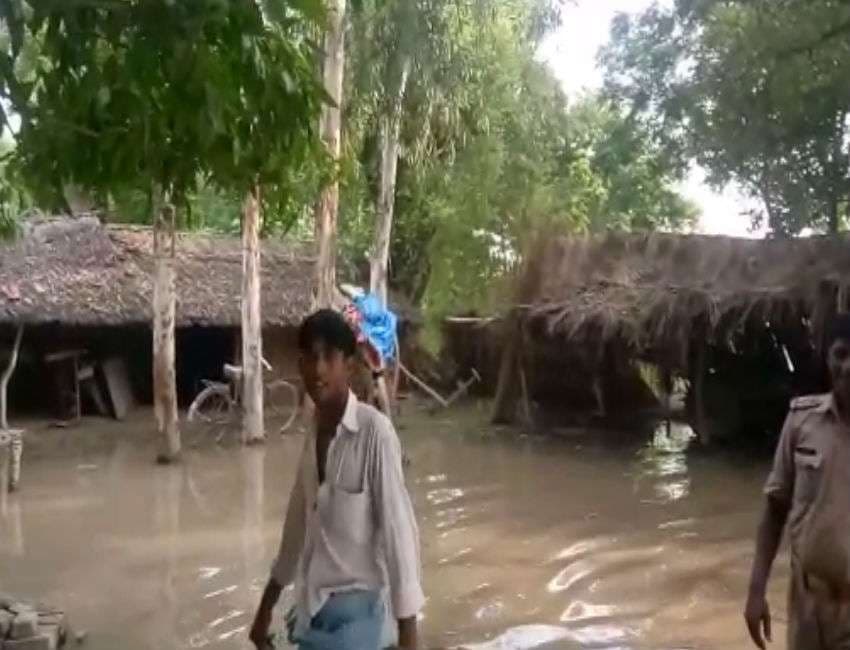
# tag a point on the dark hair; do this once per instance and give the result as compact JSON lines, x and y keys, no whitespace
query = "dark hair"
{"x":329,"y":327}
{"x":839,"y":329}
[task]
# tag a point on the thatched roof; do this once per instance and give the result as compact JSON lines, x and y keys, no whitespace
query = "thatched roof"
{"x":649,"y":290}
{"x":79,"y":272}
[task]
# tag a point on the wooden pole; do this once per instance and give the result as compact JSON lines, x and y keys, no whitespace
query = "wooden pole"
{"x":164,"y":347}
{"x":699,"y":395}
{"x":252,"y":335}
{"x":11,"y":459}
{"x":463,"y":388}
{"x":526,"y":399}
{"x":7,"y":376}
{"x":504,"y":409}
{"x":327,"y":207}
{"x":425,"y":387}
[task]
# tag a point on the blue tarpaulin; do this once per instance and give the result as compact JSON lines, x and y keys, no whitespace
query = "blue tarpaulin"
{"x":379,"y":325}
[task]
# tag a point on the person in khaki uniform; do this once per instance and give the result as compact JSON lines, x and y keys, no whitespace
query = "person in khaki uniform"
{"x":808,"y":493}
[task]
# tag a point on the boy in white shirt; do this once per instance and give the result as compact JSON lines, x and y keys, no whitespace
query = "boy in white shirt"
{"x":350,"y":535}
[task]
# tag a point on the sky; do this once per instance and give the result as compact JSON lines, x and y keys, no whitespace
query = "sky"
{"x":571,"y":52}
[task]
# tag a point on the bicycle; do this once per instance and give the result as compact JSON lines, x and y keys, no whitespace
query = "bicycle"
{"x":217,"y":410}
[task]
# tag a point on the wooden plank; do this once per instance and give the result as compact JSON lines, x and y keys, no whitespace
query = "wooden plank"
{"x":118,"y":387}
{"x":63,"y":355}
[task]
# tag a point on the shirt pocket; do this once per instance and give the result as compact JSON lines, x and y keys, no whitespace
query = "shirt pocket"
{"x":808,"y":468}
{"x":348,"y":514}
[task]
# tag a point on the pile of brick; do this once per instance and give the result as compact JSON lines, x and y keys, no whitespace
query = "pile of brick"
{"x":30,"y":626}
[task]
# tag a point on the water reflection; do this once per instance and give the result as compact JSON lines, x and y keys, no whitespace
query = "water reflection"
{"x":524,"y":637}
{"x":664,"y":461}
{"x":526,"y":543}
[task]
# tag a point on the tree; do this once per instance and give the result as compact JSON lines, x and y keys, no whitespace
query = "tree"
{"x":152,"y":96}
{"x":636,"y":190}
{"x":488,"y":148}
{"x":327,"y":207}
{"x":424,"y":51}
{"x":754,"y":91}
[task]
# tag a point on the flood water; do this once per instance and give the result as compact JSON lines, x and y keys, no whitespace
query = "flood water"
{"x":580,"y":541}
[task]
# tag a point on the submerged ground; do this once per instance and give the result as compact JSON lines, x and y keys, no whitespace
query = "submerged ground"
{"x":585,"y":540}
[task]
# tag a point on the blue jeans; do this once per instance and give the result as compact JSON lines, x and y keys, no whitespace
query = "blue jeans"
{"x":348,"y":621}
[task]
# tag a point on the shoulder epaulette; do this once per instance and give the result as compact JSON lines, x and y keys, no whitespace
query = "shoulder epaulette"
{"x":806,"y":402}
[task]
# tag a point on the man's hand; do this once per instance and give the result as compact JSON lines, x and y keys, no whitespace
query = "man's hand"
{"x":407,"y":634}
{"x":260,"y":629}
{"x":757,"y":616}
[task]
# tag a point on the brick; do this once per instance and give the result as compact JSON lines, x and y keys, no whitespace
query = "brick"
{"x":33,"y":643}
{"x":25,"y":625}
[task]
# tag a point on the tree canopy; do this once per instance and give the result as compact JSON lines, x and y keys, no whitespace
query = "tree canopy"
{"x":205,"y":97}
{"x":491,"y":151}
{"x":753,"y":90}
{"x":124,"y":96}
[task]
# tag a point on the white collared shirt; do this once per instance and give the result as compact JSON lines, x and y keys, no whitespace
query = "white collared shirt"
{"x":357,"y":530}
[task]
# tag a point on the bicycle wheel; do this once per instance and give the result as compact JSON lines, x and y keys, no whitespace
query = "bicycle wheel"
{"x":210,"y":414}
{"x":281,"y":405}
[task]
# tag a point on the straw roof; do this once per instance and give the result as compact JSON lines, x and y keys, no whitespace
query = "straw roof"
{"x":80,"y":272}
{"x":650,"y":289}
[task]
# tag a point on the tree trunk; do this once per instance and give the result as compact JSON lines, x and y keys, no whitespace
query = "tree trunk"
{"x":164,"y":306}
{"x":327,"y":207}
{"x":7,"y":376}
{"x":252,"y":335}
{"x":834,"y":217}
{"x":389,"y":150}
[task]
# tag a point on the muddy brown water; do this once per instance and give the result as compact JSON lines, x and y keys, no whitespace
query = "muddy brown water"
{"x":574,"y":542}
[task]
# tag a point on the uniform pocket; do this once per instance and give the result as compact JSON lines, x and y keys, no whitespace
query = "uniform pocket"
{"x":808,"y":465}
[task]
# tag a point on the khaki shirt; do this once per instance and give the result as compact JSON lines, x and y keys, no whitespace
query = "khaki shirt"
{"x":807,"y":437}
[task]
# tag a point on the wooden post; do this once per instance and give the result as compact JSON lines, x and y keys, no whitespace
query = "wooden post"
{"x":389,"y":137}
{"x":7,"y":376}
{"x":327,"y":207}
{"x":11,"y":458}
{"x":526,"y":398}
{"x":164,"y":308}
{"x":252,"y":335}
{"x":504,"y":409}
{"x":700,"y":412}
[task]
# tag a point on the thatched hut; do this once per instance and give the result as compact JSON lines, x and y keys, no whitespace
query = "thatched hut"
{"x":83,"y":291}
{"x":739,"y":319}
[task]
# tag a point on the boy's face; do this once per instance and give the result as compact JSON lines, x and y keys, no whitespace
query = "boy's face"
{"x":326,"y":374}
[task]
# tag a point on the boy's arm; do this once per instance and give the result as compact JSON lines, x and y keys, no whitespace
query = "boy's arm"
{"x":283,"y":569}
{"x":400,"y":535}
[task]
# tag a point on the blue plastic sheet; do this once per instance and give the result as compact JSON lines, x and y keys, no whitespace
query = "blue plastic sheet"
{"x":379,"y":325}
